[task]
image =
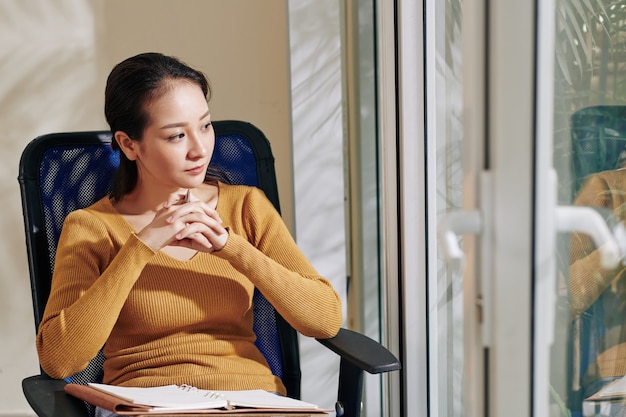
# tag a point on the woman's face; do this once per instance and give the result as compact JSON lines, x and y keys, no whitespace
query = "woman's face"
{"x":178,"y":140}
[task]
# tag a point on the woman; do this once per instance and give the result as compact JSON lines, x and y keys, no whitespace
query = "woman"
{"x":162,"y":272}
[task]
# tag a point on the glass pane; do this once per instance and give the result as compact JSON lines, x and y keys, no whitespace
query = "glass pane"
{"x":446,"y":293}
{"x":589,"y":347}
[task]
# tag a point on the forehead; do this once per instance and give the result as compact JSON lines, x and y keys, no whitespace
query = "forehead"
{"x":177,"y":99}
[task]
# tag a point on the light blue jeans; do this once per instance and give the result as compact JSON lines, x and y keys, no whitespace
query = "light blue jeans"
{"x":615,"y":408}
{"x":101,"y":412}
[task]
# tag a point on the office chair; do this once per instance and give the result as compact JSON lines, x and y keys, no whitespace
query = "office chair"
{"x":598,"y":136}
{"x":59,"y":173}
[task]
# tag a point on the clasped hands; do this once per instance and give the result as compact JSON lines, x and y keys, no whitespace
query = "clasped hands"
{"x":192,"y":224}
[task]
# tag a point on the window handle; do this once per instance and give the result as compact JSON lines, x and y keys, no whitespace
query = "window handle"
{"x":601,"y":225}
{"x":604,"y":229}
{"x":453,"y":224}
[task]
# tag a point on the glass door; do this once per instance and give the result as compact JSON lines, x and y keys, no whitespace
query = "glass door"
{"x":498,"y":216}
{"x":481,"y":164}
{"x":510,"y":163}
{"x":589,"y":150}
{"x":541,"y":218}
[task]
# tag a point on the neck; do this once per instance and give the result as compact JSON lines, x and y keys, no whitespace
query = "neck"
{"x":144,"y":200}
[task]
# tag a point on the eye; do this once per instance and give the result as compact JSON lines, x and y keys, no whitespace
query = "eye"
{"x":177,"y":136}
{"x":206,"y":126}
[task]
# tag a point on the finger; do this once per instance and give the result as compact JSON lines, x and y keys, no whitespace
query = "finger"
{"x":216,"y":236}
{"x":179,"y":197}
{"x":196,"y":241}
{"x":208,"y":230}
{"x":194,"y":212}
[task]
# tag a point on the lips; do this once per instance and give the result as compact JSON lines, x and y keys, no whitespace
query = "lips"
{"x":200,"y":169}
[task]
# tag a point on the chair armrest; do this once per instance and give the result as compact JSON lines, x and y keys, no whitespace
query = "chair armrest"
{"x":48,"y":399}
{"x":362,"y":351}
{"x":358,"y":353}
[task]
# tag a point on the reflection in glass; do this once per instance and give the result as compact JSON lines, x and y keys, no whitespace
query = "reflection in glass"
{"x":589,"y":152}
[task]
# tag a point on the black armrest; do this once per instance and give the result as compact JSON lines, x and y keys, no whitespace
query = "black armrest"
{"x":361,"y":351}
{"x":358,"y":353}
{"x":48,"y":399}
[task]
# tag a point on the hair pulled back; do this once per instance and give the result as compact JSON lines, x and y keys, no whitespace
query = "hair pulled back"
{"x":131,"y":86}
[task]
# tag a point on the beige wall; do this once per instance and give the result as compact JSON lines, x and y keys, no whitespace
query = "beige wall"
{"x":54,"y":57}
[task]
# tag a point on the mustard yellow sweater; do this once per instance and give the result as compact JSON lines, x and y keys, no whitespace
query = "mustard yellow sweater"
{"x":165,"y":321}
{"x":587,"y":278}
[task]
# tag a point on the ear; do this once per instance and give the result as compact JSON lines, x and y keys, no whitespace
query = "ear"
{"x":126,"y":144}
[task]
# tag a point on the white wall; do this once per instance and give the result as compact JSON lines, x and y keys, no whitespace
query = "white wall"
{"x":49,"y":83}
{"x":54,"y":57}
{"x":318,"y":147}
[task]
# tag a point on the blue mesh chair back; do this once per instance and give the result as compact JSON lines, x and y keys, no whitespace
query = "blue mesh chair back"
{"x":63,"y":172}
{"x":598,"y":136}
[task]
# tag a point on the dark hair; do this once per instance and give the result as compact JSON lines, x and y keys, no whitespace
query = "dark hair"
{"x":131,"y":86}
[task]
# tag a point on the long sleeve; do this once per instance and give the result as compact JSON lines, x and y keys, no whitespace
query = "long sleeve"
{"x":89,"y":288}
{"x":269,"y":257}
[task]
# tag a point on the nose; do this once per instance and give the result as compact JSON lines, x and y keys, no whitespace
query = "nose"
{"x":198,"y":147}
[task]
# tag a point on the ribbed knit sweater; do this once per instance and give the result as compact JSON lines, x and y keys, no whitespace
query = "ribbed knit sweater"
{"x":166,"y":321}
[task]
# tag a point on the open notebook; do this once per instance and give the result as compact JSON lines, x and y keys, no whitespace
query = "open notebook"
{"x":612,"y":391}
{"x":183,"y":399}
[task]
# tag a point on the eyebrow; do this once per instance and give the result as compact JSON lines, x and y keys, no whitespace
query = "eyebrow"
{"x":179,"y":124}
